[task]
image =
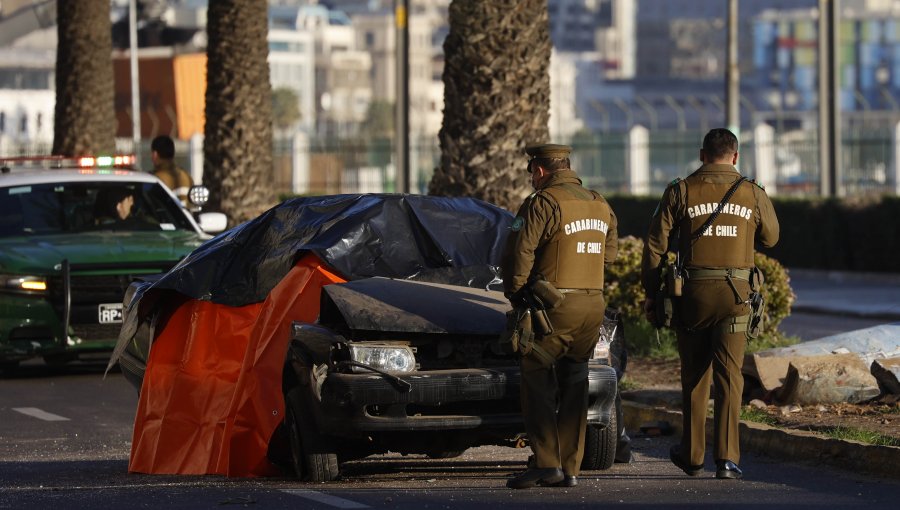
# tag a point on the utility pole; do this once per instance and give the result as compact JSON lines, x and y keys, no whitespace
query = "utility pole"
{"x":733,"y":85}
{"x":135,"y":82}
{"x":401,"y":109}
{"x":829,"y":101}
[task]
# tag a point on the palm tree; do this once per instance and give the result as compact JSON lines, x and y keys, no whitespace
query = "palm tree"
{"x":496,"y":98}
{"x":85,"y":118}
{"x":237,"y":150}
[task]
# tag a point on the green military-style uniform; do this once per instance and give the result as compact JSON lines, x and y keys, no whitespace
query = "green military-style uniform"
{"x":175,"y":178}
{"x":565,"y":233}
{"x":711,"y":341}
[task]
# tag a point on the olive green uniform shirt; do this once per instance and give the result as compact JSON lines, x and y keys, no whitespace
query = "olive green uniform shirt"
{"x":564,"y":232}
{"x":748,"y":217}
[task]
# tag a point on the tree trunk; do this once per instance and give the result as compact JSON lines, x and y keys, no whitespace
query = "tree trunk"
{"x":496,"y":98}
{"x":237,"y":150}
{"x":85,"y":118}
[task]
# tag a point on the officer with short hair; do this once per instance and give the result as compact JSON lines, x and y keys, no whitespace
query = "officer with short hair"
{"x":565,"y":234}
{"x":162,"y":152}
{"x":712,"y":314}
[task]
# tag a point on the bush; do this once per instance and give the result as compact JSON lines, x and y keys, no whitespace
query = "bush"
{"x":624,"y":292}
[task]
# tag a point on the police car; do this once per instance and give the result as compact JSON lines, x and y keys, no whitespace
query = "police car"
{"x":73,"y":234}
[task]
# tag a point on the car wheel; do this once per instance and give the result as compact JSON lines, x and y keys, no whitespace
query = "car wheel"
{"x":313,"y":457}
{"x":600,"y":445}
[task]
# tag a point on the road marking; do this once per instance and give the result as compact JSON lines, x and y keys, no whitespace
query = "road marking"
{"x":325,"y":498}
{"x":34,"y":412}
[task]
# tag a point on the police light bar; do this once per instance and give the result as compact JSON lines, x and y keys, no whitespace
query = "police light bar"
{"x":57,"y":162}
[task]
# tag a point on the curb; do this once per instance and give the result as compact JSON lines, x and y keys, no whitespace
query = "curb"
{"x":785,"y":444}
{"x":845,"y":312}
{"x":845,"y":276}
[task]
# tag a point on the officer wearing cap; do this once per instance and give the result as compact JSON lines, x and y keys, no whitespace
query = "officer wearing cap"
{"x":565,"y":233}
{"x":712,"y":313}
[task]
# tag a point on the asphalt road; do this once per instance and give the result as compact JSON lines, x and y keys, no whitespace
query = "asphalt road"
{"x":64,"y":441}
{"x":812,"y":326}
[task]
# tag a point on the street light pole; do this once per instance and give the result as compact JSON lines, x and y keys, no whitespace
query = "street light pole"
{"x":733,"y":86}
{"x":829,"y":101}
{"x":401,"y":110}
{"x":135,"y":84}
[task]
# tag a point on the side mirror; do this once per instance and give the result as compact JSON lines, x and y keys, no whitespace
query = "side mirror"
{"x":198,"y":195}
{"x":212,"y":222}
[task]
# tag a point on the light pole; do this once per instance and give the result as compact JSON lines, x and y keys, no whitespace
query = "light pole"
{"x":135,"y":85}
{"x":401,"y":110}
{"x":829,"y":101}
{"x":733,"y":87}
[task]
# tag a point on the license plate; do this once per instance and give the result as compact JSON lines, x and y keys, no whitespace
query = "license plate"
{"x":110,"y":313}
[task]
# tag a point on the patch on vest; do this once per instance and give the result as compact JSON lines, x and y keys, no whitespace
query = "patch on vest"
{"x":517,"y":224}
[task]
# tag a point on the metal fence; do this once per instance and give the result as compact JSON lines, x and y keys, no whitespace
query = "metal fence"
{"x":637,"y":161}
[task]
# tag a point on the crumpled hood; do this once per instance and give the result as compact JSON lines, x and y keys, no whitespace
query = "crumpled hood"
{"x":41,"y":254}
{"x":404,"y":306}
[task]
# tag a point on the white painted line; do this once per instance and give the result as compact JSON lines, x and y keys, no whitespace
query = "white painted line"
{"x":34,"y":412}
{"x":325,"y":498}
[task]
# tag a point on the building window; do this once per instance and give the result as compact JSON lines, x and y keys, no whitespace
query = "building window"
{"x":23,"y":127}
{"x":370,"y":39}
{"x":38,"y":122}
{"x":2,"y":122}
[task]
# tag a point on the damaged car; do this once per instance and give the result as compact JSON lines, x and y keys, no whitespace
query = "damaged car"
{"x":329,"y":329}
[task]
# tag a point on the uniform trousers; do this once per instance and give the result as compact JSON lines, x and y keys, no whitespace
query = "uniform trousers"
{"x":710,"y":353}
{"x":555,"y":395}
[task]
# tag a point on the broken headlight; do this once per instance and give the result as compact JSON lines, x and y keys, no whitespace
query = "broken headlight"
{"x":390,"y":358}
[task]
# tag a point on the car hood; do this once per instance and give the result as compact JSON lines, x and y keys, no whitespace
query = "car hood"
{"x":406,"y":306}
{"x":40,"y":254}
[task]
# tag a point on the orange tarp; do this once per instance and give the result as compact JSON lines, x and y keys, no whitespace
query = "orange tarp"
{"x":211,"y":396}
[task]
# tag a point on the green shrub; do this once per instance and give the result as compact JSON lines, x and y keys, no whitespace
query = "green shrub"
{"x":624,"y":292}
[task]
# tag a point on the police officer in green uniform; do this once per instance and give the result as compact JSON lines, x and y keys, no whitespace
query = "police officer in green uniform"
{"x":565,"y":234}
{"x":712,"y":313}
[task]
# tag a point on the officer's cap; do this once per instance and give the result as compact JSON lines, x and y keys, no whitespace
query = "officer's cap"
{"x":548,"y":151}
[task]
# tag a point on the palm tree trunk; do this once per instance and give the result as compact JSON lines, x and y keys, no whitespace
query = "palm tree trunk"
{"x":496,"y":98}
{"x":85,"y":119}
{"x":237,"y":150}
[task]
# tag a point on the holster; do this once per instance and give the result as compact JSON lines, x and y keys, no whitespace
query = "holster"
{"x":546,"y":293}
{"x":757,"y":304}
{"x":664,"y":309}
{"x":518,"y":337}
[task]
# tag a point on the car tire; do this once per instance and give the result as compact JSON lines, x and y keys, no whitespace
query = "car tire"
{"x":600,"y":446}
{"x":312,"y":455}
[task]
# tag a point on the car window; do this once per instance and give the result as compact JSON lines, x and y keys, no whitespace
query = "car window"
{"x":42,"y":209}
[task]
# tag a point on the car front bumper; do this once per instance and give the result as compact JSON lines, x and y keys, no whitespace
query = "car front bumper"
{"x":441,"y":399}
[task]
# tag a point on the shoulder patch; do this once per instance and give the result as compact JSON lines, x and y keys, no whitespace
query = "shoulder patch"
{"x":517,"y":224}
{"x":674,"y":181}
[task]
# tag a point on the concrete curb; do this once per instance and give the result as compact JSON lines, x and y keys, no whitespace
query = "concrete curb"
{"x":845,"y":312}
{"x":845,"y":276}
{"x":785,"y":444}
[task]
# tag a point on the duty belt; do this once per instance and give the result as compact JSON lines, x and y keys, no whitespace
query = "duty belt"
{"x":717,"y":274}
{"x":728,"y":275}
{"x":580,"y":291}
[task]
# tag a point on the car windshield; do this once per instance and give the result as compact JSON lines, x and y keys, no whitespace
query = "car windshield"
{"x":68,"y":207}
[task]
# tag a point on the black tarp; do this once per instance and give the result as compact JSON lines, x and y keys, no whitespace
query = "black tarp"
{"x":439,"y":239}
